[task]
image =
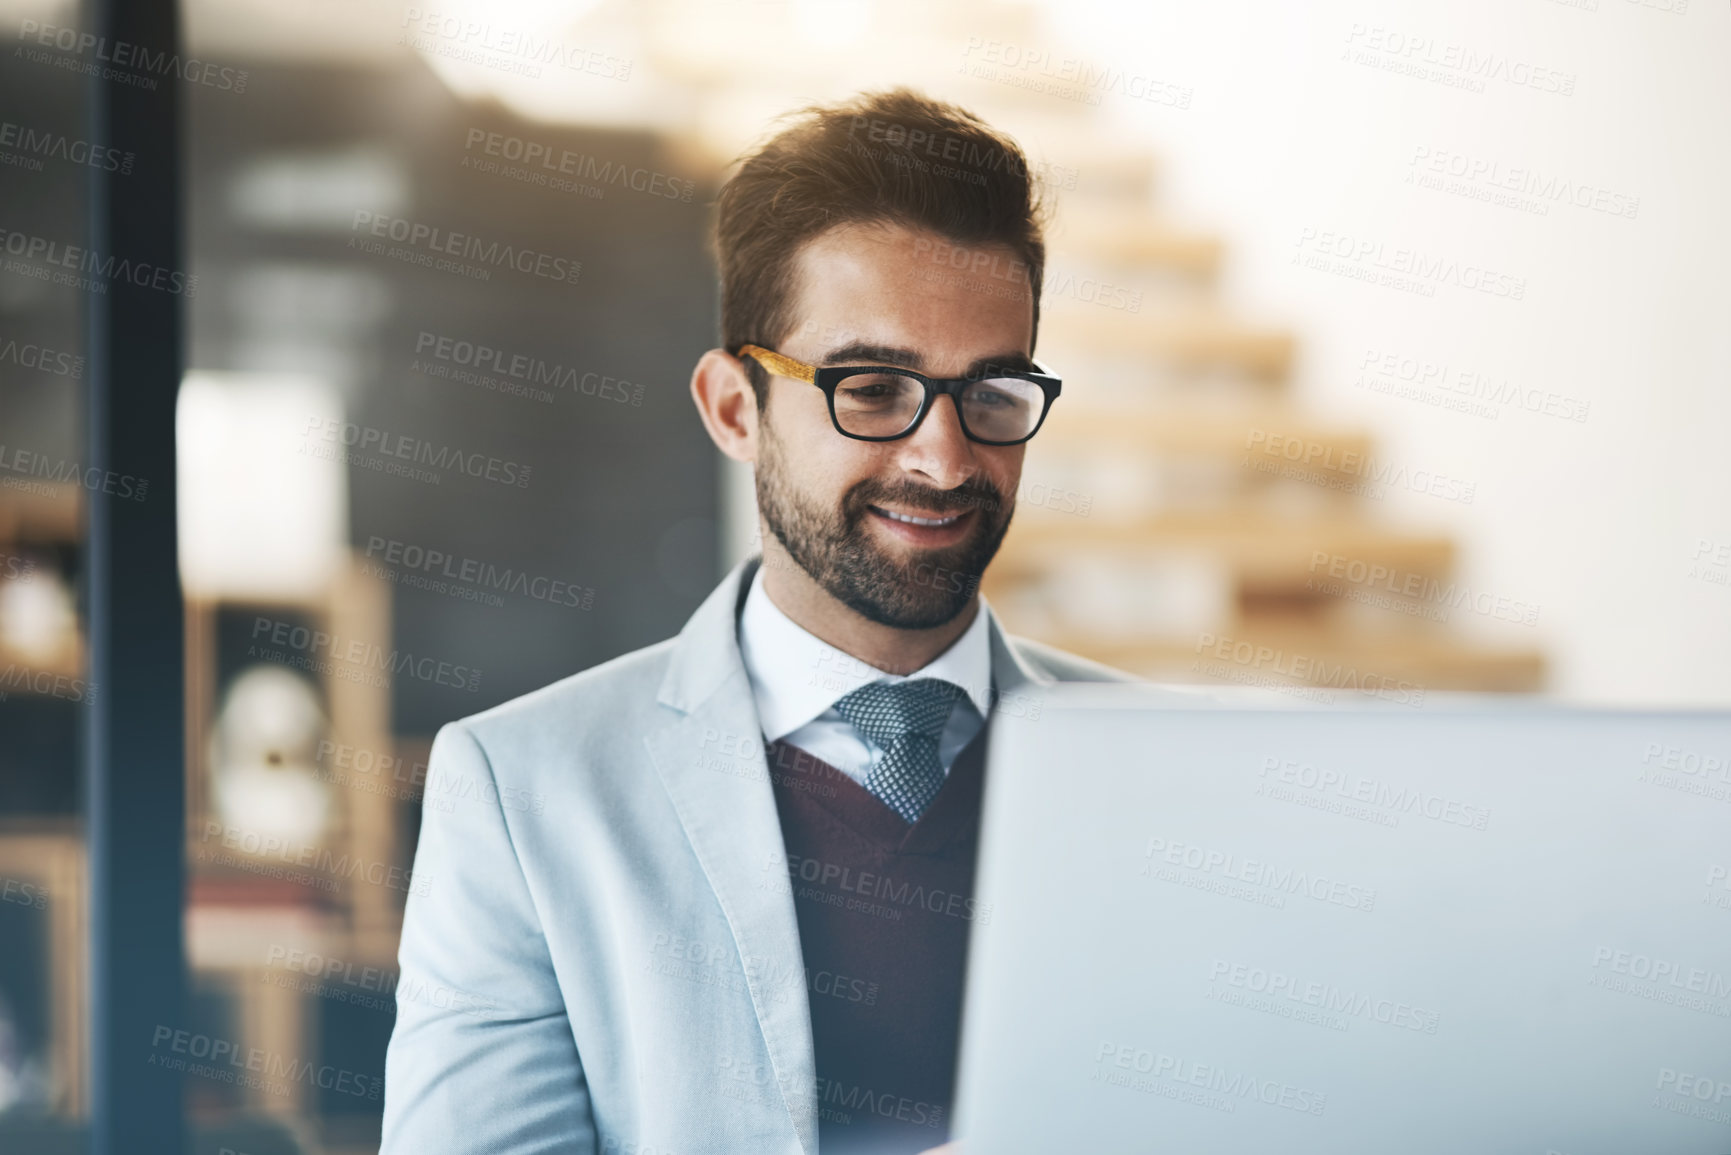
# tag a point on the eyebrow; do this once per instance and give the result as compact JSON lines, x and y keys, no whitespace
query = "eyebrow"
{"x":865,"y":352}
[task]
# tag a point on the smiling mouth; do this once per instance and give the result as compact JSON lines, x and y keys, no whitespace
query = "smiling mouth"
{"x":910,"y":519}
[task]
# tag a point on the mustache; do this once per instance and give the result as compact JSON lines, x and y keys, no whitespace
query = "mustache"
{"x":981,"y":495}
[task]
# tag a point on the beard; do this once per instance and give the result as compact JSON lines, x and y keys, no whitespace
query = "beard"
{"x":836,"y":548}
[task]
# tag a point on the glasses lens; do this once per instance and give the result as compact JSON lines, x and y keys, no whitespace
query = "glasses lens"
{"x":877,"y":404}
{"x":1002,"y":408}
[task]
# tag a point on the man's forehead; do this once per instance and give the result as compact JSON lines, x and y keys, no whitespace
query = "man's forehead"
{"x":862,"y":293}
{"x":849,"y":344}
{"x":862,"y":244}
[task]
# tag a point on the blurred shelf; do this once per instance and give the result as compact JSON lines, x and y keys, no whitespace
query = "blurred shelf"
{"x":20,"y":672}
{"x":46,"y":511}
{"x":42,"y":865}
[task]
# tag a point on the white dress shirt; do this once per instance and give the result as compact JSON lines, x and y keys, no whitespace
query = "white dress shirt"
{"x":797,"y":679}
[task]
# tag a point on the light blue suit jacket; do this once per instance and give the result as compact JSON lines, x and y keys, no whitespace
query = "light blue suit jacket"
{"x":600,"y":952}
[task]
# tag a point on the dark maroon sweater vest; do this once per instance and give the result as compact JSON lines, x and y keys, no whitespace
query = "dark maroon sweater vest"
{"x":884,"y":912}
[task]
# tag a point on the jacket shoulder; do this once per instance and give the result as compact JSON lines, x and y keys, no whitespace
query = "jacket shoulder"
{"x":616,"y":688}
{"x":1065,"y":666}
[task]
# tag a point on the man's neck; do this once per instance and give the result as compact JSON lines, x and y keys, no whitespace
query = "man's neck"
{"x":814,"y":610}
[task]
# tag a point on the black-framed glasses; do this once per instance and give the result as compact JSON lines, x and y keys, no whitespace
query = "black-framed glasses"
{"x":883,"y":402}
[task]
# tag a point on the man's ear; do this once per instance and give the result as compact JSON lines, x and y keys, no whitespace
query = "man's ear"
{"x":726,"y":403}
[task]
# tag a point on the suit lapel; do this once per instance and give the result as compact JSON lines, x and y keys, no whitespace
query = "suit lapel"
{"x":1016,"y":683}
{"x":731,"y":821}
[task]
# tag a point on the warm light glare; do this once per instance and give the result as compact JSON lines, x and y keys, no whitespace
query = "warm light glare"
{"x":263,"y":492}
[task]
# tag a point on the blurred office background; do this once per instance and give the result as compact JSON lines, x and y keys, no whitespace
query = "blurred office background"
{"x":1394,"y":349}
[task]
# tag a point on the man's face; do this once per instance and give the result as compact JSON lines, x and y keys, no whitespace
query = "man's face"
{"x":886,"y":295}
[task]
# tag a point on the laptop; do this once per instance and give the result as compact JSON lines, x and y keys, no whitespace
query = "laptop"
{"x":1484,"y":925}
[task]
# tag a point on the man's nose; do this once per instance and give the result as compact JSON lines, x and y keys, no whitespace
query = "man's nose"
{"x":938,"y":450}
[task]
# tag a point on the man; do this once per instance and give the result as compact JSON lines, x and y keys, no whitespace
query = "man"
{"x":720,"y":898}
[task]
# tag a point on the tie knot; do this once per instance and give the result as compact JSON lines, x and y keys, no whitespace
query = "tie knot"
{"x":886,"y":711}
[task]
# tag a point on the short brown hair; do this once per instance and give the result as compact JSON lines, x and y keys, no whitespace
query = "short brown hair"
{"x":885,"y":158}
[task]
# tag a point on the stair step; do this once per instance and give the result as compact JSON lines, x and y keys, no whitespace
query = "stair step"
{"x":1398,"y":670}
{"x":1136,"y":238}
{"x":1190,"y":341}
{"x":1265,"y":552}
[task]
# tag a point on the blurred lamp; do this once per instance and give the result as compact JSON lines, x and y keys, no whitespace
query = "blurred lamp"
{"x":263,"y":755}
{"x":37,"y":618}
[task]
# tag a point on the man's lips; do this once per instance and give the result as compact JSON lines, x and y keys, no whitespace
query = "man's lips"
{"x":924,"y":527}
{"x":918,"y":517}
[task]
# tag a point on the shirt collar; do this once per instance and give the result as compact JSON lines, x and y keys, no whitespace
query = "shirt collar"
{"x":797,"y":677}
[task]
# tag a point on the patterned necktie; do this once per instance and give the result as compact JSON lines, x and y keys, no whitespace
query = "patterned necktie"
{"x":903,"y":719}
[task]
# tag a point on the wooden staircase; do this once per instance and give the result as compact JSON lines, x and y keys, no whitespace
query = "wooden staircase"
{"x":1164,"y":523}
{"x":1181,"y":515}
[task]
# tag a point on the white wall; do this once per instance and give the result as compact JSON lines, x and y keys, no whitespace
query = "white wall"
{"x":1598,"y":522}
